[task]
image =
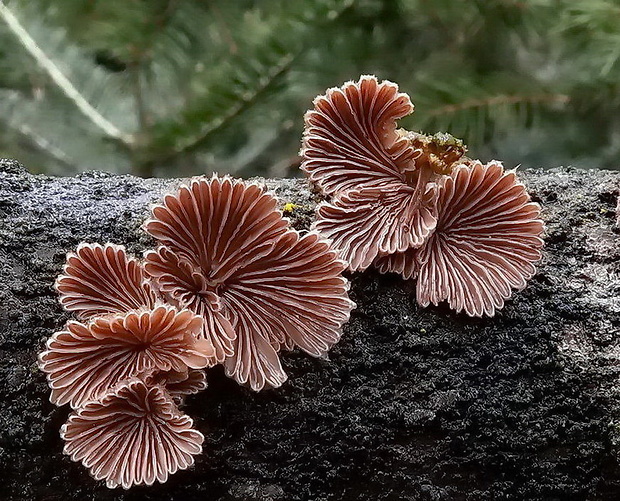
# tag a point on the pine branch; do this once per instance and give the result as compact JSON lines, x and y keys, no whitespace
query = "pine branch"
{"x":591,"y":26}
{"x":267,"y":48}
{"x":224,"y":29}
{"x":59,"y":78}
{"x":192,"y":143}
{"x":248,"y":101}
{"x":500,"y":100}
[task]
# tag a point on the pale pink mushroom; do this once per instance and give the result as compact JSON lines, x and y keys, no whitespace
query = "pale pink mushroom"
{"x":295,"y":296}
{"x":134,"y":435}
{"x":371,"y":221}
{"x":100,"y":279}
{"x":217,"y":224}
{"x":487,"y":241}
{"x":382,"y":202}
{"x":183,"y":283}
{"x":84,"y":361}
{"x":227,"y":254}
{"x":351,"y":138}
{"x":413,"y":204}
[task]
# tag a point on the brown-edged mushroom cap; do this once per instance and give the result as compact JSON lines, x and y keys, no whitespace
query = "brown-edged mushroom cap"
{"x":101,"y":279}
{"x":350,"y":138}
{"x":228,"y":255}
{"x":369,"y":221}
{"x":83,"y":362}
{"x":133,"y":436}
{"x":486,"y":242}
{"x":381,"y":202}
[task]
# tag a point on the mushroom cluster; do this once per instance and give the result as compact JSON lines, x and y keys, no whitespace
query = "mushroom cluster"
{"x":415,"y":205}
{"x":226,"y":253}
{"x":229,"y":283}
{"x":124,"y":368}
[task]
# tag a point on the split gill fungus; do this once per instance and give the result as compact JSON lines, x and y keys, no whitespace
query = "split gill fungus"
{"x":413,"y":204}
{"x":134,"y":435}
{"x":229,"y":283}
{"x":124,"y":369}
{"x":227,"y":254}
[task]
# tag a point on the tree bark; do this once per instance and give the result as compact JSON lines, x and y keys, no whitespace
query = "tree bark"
{"x":412,"y":404}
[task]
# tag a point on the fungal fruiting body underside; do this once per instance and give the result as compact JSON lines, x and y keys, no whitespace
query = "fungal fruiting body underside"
{"x":230,"y":283}
{"x":125,"y":368}
{"x":415,"y":205}
{"x":226,"y":253}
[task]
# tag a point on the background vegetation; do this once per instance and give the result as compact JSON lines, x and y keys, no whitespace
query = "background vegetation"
{"x":182,"y":87}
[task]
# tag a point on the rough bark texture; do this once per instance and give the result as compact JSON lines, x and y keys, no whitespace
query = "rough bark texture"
{"x":412,"y":404}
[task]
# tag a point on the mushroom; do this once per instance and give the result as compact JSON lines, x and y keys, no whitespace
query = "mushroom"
{"x":295,"y":296}
{"x":371,"y":221}
{"x":227,"y":254}
{"x":413,"y":204}
{"x":124,"y":369}
{"x":382,"y":202}
{"x":134,"y":435}
{"x":486,"y":242}
{"x":351,"y":139}
{"x":180,"y":384}
{"x":230,"y":282}
{"x":100,"y":279}
{"x":183,"y":284}
{"x":84,"y":361}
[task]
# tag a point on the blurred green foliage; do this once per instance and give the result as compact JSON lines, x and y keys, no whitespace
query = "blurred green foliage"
{"x":181,"y":87}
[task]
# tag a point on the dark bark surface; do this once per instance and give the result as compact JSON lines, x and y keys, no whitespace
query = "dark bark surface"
{"x":412,"y":403}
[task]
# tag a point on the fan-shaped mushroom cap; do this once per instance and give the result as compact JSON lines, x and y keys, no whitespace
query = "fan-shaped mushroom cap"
{"x":134,"y":435}
{"x":101,"y":279}
{"x":370,"y":221}
{"x":295,"y":296}
{"x":486,"y":242}
{"x":229,"y":255}
{"x":84,"y":361}
{"x":382,"y":203}
{"x":350,"y":137}
{"x":218,"y":225}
